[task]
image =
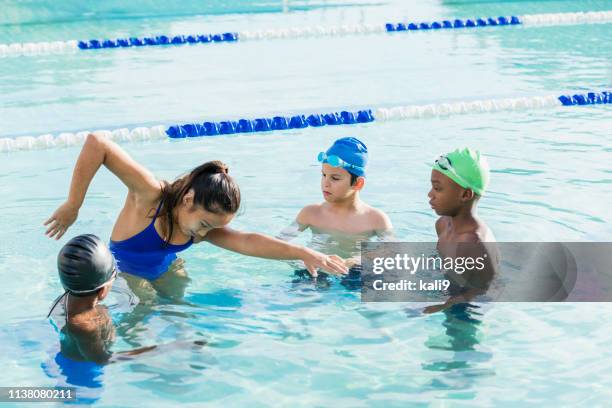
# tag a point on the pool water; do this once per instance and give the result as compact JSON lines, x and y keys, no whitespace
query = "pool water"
{"x":274,"y":339}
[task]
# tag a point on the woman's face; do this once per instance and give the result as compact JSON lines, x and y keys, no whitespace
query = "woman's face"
{"x":195,"y":221}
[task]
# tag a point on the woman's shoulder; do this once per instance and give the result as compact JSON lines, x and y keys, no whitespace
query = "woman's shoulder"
{"x":144,"y":200}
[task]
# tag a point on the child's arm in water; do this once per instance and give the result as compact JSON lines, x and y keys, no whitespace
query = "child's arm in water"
{"x":97,"y":151}
{"x":383,"y":228}
{"x":156,"y":349}
{"x":382,"y":231}
{"x":94,"y":336}
{"x":474,"y":283}
{"x":301,"y":224}
{"x":291,"y":232}
{"x":263,"y":246}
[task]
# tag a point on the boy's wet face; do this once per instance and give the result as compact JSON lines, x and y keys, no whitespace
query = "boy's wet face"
{"x":445,"y":195}
{"x":335,"y":183}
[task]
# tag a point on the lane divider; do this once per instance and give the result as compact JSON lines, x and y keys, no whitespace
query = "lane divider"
{"x":28,"y":49}
{"x":286,"y":123}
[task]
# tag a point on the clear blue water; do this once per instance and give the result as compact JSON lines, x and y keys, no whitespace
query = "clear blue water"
{"x":273,"y":341}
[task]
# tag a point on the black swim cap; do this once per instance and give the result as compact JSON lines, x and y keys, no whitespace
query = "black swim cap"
{"x":85,"y":264}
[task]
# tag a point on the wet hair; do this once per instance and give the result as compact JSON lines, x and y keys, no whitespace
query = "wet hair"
{"x":353,"y":178}
{"x":214,"y":189}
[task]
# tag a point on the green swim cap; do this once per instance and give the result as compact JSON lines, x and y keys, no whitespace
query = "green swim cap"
{"x":466,"y":167}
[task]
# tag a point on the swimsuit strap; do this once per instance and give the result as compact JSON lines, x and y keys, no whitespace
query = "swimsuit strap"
{"x":157,"y":211}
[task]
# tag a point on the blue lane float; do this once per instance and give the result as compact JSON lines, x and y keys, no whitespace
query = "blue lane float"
{"x":157,"y":40}
{"x":456,"y":23}
{"x":269,"y":124}
{"x":591,"y":98}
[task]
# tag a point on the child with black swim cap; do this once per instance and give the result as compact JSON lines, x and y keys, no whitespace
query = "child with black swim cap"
{"x":86,"y":269}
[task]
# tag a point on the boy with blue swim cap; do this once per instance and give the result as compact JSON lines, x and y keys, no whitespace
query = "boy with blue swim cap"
{"x":343,"y":213}
{"x":458,"y":180}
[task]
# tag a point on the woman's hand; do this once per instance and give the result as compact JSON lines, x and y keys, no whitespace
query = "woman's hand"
{"x":314,"y":260}
{"x":61,"y":219}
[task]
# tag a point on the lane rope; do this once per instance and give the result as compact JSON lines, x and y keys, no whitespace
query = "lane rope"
{"x":284,"y":123}
{"x":60,"y":47}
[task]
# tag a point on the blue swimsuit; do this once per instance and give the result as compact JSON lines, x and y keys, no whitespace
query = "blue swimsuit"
{"x":144,"y":254}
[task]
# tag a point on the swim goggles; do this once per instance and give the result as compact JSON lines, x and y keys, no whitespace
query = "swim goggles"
{"x":445,"y":164}
{"x":335,"y":161}
{"x":59,"y":298}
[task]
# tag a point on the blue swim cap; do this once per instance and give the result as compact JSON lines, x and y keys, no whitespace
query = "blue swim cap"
{"x":352,"y":151}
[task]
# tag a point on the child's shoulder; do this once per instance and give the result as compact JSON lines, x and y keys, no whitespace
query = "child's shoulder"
{"x":308,"y":213}
{"x":477,"y":233}
{"x":441,"y":224}
{"x":378,"y":218}
{"x":89,"y":321}
{"x":84,"y":323}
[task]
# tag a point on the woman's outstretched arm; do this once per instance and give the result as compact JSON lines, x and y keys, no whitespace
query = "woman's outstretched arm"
{"x":263,"y":246}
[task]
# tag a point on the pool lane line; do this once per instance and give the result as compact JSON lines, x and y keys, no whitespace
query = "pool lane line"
{"x":284,"y":123}
{"x":59,"y":47}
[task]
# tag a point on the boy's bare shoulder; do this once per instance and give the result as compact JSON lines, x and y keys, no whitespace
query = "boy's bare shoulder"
{"x":477,"y":235}
{"x":379,"y":219}
{"x":441,"y":224}
{"x":469,"y":237}
{"x":83,"y":324}
{"x":307,"y":213}
{"x":88,"y":322}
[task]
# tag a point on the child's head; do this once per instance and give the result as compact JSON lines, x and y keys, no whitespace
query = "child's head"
{"x":86,"y":267}
{"x":205,"y":199}
{"x":458,"y":179}
{"x":343,"y":169}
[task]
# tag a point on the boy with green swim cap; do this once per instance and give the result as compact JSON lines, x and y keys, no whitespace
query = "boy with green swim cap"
{"x":458,"y":180}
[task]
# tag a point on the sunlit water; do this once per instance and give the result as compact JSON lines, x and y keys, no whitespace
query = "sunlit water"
{"x":274,"y":339}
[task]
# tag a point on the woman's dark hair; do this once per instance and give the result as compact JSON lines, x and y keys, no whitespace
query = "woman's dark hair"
{"x":214,"y":189}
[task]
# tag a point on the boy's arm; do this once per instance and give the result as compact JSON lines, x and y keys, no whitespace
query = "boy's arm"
{"x":383,"y":227}
{"x":301,"y":223}
{"x":291,"y":231}
{"x":175,"y":345}
{"x":476,"y":282}
{"x":440,"y":225}
{"x":464,"y":297}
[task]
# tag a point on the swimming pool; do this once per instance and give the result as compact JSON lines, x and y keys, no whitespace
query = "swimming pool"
{"x":273,"y":341}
